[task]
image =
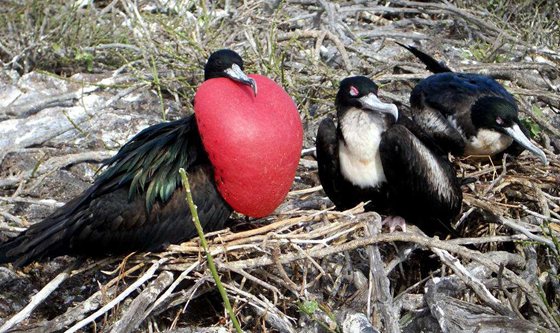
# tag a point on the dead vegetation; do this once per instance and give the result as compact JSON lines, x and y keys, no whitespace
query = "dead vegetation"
{"x":79,"y":80}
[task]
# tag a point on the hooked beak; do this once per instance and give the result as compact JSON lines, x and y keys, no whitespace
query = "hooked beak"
{"x":515,"y":132}
{"x":235,"y":73}
{"x":371,"y":102}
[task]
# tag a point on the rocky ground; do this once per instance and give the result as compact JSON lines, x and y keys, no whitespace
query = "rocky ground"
{"x":79,"y":80}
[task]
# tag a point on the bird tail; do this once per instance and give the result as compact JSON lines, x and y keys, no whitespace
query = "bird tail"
{"x":30,"y":246}
{"x":432,"y":64}
{"x":42,"y":240}
{"x":6,"y":249}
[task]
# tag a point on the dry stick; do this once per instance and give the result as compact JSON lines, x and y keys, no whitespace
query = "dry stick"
{"x":27,"y":109}
{"x":276,"y":318}
{"x":148,"y":275}
{"x":245,"y":235}
{"x":485,"y":192}
{"x":6,"y":228}
{"x":138,"y":309}
{"x":9,"y":217}
{"x":305,"y":191}
{"x":185,"y":296}
{"x":43,"y":202}
{"x":504,"y":67}
{"x":511,"y":224}
{"x":319,"y":34}
{"x":36,"y":300}
{"x":58,"y":162}
{"x":393,"y":34}
{"x":290,"y":285}
{"x":382,"y":289}
{"x":487,"y":239}
{"x":539,"y":215}
{"x":74,"y":313}
{"x":378,"y":9}
{"x":530,"y":292}
{"x":258,"y":281}
{"x":209,"y":257}
{"x":478,"y":287}
{"x":318,"y":44}
{"x":79,"y":310}
{"x":462,"y":13}
{"x":169,"y":290}
{"x":265,"y":229}
{"x":313,"y":262}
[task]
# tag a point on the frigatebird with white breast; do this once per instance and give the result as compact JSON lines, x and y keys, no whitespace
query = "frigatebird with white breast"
{"x":468,"y":114}
{"x":373,"y":155}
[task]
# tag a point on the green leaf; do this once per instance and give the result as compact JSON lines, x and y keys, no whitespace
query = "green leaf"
{"x":537,"y":110}
{"x":87,"y":58}
{"x":309,"y":307}
{"x":532,"y":126}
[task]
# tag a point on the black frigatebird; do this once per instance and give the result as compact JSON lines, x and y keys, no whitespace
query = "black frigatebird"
{"x":138,"y":202}
{"x":468,"y":114}
{"x":368,"y":155}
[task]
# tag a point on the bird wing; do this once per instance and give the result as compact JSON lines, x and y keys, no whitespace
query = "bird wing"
{"x":422,"y":185}
{"x":137,"y":203}
{"x":149,"y":162}
{"x":428,"y":139}
{"x":327,"y":159}
{"x":431,"y":120}
{"x":453,"y":93}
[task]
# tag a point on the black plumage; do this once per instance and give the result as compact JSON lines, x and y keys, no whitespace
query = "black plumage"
{"x":468,"y":114}
{"x":369,"y":156}
{"x":138,"y":202}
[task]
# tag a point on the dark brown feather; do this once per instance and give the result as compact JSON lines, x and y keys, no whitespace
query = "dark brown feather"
{"x":107,"y":219}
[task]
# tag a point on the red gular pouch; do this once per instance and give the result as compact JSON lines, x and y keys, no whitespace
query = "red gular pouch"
{"x":253,"y":142}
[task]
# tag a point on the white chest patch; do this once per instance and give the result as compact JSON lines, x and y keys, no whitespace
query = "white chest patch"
{"x":359,"y":157}
{"x":487,"y":142}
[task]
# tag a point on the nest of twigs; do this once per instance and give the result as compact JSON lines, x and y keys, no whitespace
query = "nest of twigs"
{"x":314,"y":268}
{"x":306,"y":268}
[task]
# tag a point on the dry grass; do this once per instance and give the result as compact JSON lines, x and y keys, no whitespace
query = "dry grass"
{"x":305,"y":264}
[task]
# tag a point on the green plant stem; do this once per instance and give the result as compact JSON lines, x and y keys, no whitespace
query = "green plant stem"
{"x":209,"y":257}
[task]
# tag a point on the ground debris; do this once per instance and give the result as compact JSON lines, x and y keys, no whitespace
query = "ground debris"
{"x":305,"y":268}
{"x":455,"y":315}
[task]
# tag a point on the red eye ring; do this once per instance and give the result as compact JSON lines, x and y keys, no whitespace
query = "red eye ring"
{"x":354,"y":91}
{"x":499,"y":121}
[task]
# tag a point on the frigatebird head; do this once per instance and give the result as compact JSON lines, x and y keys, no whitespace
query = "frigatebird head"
{"x":498,"y":114}
{"x":227,"y":63}
{"x":361,"y":92}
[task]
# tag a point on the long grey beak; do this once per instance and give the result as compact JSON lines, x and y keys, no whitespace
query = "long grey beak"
{"x":371,"y":102}
{"x":235,"y":73}
{"x":515,"y":132}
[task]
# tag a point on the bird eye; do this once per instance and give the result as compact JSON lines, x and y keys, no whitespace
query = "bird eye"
{"x":499,"y":121}
{"x":354,"y":91}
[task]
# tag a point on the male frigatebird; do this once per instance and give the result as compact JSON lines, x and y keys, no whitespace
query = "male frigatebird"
{"x":468,"y":114}
{"x":369,"y":156}
{"x":138,"y":202}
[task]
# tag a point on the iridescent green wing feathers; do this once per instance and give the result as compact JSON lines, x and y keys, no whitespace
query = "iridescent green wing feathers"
{"x":150,"y":161}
